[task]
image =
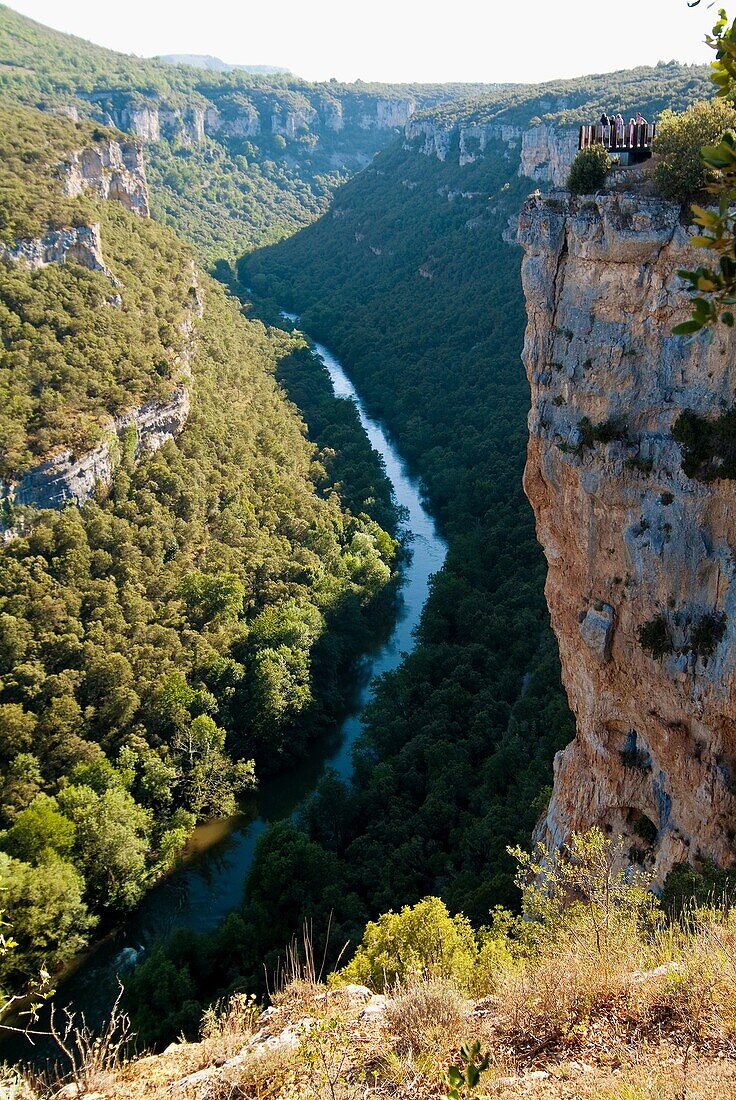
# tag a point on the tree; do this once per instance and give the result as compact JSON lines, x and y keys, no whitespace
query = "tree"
{"x":40,"y":832}
{"x":681,"y":170}
{"x":46,"y":913}
{"x":111,"y":843}
{"x":211,"y":779}
{"x":421,"y":941}
{"x":714,"y":288}
{"x":589,"y":169}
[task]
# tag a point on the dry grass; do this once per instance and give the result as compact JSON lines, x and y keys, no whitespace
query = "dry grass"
{"x":627,"y":1017}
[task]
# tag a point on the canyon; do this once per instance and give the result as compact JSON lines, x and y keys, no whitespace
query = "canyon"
{"x":630,"y":540}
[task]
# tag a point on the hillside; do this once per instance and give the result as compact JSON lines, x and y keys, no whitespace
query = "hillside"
{"x":236,"y":159}
{"x":193,"y":607}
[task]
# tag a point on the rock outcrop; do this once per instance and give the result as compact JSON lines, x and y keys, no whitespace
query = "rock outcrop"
{"x":547,"y":153}
{"x":288,"y":113}
{"x":68,"y":478}
{"x":467,"y":140}
{"x":79,"y":244}
{"x":629,"y":539}
{"x":113,"y":170}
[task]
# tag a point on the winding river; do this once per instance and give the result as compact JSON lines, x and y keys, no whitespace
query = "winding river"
{"x":209,"y":882}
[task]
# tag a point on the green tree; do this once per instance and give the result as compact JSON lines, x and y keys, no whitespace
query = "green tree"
{"x":111,"y":844}
{"x":589,"y":170}
{"x":713,"y":289}
{"x":210,"y":779}
{"x":40,"y":832}
{"x":681,"y":171}
{"x":420,"y":941}
{"x":46,"y":913}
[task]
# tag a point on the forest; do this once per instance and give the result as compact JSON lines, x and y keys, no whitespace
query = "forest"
{"x":189,"y":629}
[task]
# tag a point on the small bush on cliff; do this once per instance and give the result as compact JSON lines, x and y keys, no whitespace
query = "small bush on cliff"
{"x":682,"y":172}
{"x":708,"y":446}
{"x":654,"y":637}
{"x":589,"y":170}
{"x":708,"y":632}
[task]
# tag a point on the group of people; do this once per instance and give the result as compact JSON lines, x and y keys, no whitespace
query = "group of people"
{"x":613,"y":128}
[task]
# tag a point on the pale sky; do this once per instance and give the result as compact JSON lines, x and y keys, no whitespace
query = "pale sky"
{"x":398,"y":40}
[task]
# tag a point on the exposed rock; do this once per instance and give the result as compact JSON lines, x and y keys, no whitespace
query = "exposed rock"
{"x":80,"y":244}
{"x":65,"y":478}
{"x":596,"y":629}
{"x":114,"y":170}
{"x":547,"y":153}
{"x":68,"y":478}
{"x":469,"y":140}
{"x":627,"y":536}
{"x":141,"y":121}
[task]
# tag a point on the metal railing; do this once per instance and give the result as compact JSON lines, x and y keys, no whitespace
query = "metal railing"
{"x":619,"y":139}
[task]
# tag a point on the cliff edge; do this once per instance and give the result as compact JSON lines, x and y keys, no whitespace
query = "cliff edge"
{"x":631,"y":542}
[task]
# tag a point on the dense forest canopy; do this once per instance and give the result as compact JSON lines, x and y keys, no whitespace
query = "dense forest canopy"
{"x":196,"y":617}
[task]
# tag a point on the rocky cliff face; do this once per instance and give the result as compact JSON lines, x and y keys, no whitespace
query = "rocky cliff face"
{"x":547,"y":153}
{"x":629,"y":539}
{"x":290,"y":115}
{"x":114,"y":170}
{"x":68,"y":478}
{"x":79,"y":244}
{"x":465,"y":139}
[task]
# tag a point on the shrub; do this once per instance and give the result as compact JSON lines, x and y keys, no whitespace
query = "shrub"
{"x":422,"y":941}
{"x":681,"y":172}
{"x":708,"y":446}
{"x":429,"y":1016}
{"x":589,"y":170}
{"x":708,"y":632}
{"x":654,"y":637}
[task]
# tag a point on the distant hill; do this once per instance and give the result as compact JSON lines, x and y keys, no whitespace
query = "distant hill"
{"x":236,"y":158}
{"x":215,"y":64}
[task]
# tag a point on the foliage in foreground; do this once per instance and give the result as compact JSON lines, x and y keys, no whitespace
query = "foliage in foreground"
{"x":713,"y":289}
{"x":595,"y":989}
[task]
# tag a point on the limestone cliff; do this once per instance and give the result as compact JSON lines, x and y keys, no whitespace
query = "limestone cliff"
{"x":78,"y":244}
{"x":113,"y":170}
{"x":629,"y":539}
{"x":286,"y":112}
{"x":545,"y":151}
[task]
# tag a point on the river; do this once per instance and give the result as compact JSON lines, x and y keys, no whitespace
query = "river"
{"x":210,"y":881}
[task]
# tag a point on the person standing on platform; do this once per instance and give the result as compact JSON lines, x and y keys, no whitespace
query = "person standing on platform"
{"x":620,"y":127}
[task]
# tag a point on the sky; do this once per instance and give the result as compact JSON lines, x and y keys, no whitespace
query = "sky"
{"x":398,"y":40}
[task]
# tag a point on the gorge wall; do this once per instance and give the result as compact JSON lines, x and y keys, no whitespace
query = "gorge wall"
{"x":113,"y":171}
{"x":545,"y":151}
{"x":629,"y":539}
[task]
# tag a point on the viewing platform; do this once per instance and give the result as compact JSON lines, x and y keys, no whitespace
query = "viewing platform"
{"x":634,"y":140}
